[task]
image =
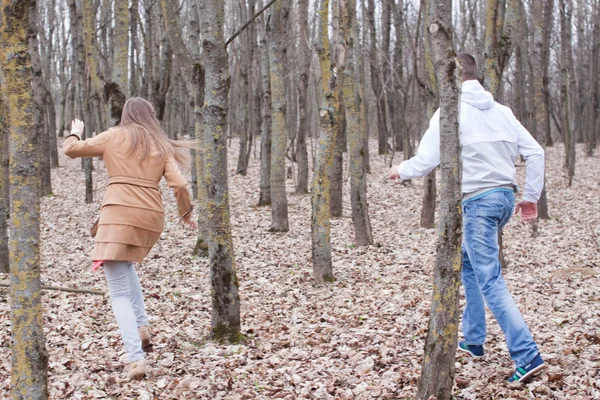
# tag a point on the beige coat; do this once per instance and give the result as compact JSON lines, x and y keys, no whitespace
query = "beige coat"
{"x":131,"y":217}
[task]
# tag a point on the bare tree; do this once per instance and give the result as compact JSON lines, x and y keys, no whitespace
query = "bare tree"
{"x":566,"y":8}
{"x":29,"y":355}
{"x":332,"y":70}
{"x":437,"y":376}
{"x":225,"y":321}
{"x":265,"y":146}
{"x":356,"y":136}
{"x":4,"y":185}
{"x":278,"y":41}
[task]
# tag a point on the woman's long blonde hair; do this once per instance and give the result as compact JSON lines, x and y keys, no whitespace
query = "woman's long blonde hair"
{"x":147,"y":135}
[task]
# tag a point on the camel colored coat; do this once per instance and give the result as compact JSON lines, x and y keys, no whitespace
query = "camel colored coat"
{"x":132,"y":216}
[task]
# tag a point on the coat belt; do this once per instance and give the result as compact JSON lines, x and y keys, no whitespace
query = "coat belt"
{"x":127,"y":180}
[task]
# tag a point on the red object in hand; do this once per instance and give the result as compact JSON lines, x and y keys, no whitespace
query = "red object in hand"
{"x":528,"y":210}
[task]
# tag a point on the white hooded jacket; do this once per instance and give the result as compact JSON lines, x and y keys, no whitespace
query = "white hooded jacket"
{"x":491,"y":137}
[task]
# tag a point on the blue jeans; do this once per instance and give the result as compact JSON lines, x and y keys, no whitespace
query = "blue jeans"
{"x":482,"y":278}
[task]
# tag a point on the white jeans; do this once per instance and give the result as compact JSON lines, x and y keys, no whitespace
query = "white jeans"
{"x":127,"y":304}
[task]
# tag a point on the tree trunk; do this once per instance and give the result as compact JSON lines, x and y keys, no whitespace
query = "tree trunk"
{"x":363,"y":235}
{"x":135,"y":51}
{"x":429,"y":197}
{"x":29,"y":377}
{"x":276,"y":32}
{"x":39,"y":95}
{"x":4,"y":184}
{"x":430,"y":89}
{"x":565,"y":8}
{"x":399,"y":95}
{"x":304,"y":58}
{"x":332,"y":70}
{"x":542,"y":16}
{"x":376,"y":81}
{"x":225,"y":321}
{"x":437,"y":376}
{"x":79,"y":27}
{"x":337,"y":166}
{"x":117,"y":88}
{"x":593,"y":134}
{"x":265,"y":145}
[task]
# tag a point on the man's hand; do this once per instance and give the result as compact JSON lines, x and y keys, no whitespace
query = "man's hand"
{"x":77,"y":127}
{"x":528,"y":210}
{"x":394,"y":174}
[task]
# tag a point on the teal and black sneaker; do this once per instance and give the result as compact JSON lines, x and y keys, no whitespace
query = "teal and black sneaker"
{"x":475,"y":351}
{"x":529,"y":370}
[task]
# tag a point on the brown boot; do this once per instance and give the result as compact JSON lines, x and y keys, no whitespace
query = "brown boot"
{"x":137,"y":370}
{"x":145,"y":337}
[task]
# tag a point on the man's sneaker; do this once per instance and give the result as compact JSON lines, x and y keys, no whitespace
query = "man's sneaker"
{"x":474,"y":350}
{"x":523,"y":373}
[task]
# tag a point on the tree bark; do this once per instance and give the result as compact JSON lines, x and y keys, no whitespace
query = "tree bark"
{"x":566,"y":9}
{"x":4,"y":184}
{"x":133,"y":42}
{"x":276,"y":32}
{"x":430,"y":89}
{"x":29,"y":378}
{"x":265,"y":145}
{"x":225,"y":321}
{"x":79,"y":27}
{"x":117,"y":88}
{"x":332,"y":70}
{"x":376,"y":82}
{"x":437,"y":376}
{"x":304,"y":58}
{"x":542,"y":16}
{"x":39,"y":96}
{"x":594,"y":133}
{"x":363,"y":235}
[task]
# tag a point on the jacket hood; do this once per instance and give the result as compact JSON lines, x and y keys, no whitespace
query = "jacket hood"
{"x":474,"y":94}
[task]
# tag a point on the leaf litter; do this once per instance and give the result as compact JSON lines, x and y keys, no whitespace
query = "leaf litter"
{"x":360,"y":337}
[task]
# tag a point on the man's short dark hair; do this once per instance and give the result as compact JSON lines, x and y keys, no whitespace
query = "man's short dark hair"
{"x":469,"y":66}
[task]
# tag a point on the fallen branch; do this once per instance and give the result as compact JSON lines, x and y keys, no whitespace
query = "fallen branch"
{"x":61,"y":289}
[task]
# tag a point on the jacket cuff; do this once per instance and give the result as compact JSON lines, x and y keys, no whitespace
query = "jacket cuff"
{"x":75,"y":135}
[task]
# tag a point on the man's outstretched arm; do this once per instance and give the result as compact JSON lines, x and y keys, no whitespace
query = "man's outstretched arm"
{"x":427,"y":158}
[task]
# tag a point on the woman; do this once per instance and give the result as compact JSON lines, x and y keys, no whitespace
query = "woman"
{"x":137,"y":154}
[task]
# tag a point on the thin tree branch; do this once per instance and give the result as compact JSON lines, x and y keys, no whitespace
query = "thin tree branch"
{"x":61,"y":289}
{"x":237,"y":33}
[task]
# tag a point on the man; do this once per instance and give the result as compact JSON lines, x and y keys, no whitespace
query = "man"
{"x":491,"y":137}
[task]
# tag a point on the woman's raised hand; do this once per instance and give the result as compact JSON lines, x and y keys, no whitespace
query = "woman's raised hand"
{"x":77,"y":127}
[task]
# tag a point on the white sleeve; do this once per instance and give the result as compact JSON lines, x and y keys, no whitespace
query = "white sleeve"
{"x":533,"y":153}
{"x":428,"y":153}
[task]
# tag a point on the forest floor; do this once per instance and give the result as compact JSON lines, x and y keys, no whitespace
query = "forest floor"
{"x":360,"y":337}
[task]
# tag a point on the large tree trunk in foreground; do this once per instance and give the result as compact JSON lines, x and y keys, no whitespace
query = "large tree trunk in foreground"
{"x":276,"y":31}
{"x":225,"y":321}
{"x":29,"y":379}
{"x":437,"y":375}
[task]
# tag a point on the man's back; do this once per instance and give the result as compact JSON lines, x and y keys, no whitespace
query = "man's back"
{"x":491,"y":138}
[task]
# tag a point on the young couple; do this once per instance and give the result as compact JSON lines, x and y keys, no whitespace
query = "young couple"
{"x":137,"y":154}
